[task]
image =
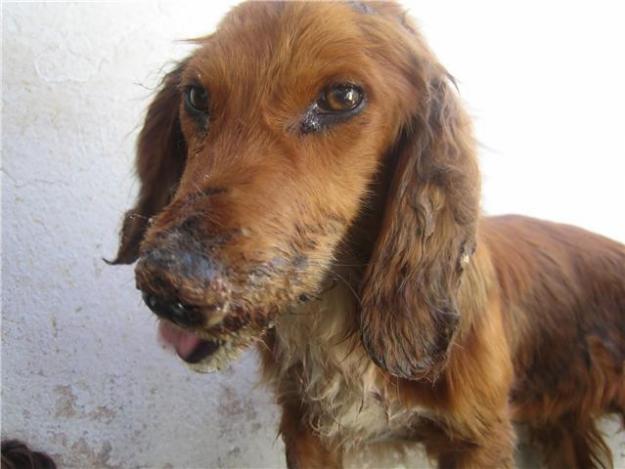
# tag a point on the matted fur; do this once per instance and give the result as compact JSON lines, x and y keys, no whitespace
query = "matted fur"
{"x":385,"y":306}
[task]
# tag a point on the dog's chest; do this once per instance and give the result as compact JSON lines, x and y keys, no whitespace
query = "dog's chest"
{"x":346,"y":398}
{"x":353,"y":407}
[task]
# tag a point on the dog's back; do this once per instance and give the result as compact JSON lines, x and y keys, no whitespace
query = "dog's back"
{"x":563,"y":301}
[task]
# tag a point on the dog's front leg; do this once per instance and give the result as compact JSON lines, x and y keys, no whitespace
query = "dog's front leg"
{"x":304,"y":448}
{"x":494,"y":449}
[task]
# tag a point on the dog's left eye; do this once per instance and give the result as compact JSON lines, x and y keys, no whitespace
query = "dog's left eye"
{"x":340,"y":98}
{"x":336,"y":104}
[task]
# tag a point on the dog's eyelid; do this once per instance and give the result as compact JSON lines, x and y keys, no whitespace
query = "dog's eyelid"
{"x":342,"y":84}
{"x":184,"y":84}
{"x":192,"y":79}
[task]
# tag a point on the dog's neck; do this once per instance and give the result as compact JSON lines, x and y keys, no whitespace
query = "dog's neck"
{"x":342,"y":391}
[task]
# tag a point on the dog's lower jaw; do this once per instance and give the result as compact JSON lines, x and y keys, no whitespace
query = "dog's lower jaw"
{"x":226,"y":354}
{"x":203,"y":352}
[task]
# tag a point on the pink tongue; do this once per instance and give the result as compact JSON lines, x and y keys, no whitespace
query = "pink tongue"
{"x":184,"y":342}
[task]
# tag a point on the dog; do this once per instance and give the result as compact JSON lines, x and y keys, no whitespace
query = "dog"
{"x":17,"y":455}
{"x":309,"y":184}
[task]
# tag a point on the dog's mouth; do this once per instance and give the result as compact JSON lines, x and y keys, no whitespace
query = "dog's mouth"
{"x":207,"y":353}
{"x":189,"y":346}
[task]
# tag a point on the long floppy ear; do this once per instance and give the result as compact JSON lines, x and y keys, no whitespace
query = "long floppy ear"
{"x":161,"y":154}
{"x":409,"y":307}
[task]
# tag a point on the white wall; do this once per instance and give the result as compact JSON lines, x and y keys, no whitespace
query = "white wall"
{"x":82,"y":374}
{"x":544,"y":82}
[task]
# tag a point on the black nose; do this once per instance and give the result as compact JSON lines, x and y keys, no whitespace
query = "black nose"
{"x":173,"y":310}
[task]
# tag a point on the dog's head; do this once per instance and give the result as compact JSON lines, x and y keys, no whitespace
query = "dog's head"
{"x":260,"y":152}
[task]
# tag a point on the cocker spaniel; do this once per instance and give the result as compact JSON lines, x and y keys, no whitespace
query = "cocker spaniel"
{"x":309,"y":183}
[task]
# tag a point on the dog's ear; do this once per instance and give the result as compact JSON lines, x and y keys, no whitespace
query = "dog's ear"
{"x":409,"y":298}
{"x":161,"y":155}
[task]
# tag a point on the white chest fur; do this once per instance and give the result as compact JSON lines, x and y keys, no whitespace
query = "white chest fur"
{"x":346,"y":397}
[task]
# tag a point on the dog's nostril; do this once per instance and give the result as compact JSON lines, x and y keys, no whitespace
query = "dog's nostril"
{"x":160,"y":307}
{"x":172,"y":310}
{"x":150,"y":301}
{"x":178,"y":312}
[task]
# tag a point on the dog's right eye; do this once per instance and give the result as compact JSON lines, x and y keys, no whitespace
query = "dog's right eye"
{"x":196,"y":99}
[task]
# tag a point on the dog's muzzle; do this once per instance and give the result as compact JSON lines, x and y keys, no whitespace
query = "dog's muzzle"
{"x":185,"y":288}
{"x":173,"y":310}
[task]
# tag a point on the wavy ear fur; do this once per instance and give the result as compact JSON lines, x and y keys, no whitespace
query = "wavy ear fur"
{"x":161,"y":154}
{"x":409,"y":306}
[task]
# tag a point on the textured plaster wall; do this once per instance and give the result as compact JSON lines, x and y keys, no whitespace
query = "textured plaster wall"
{"x":82,"y":374}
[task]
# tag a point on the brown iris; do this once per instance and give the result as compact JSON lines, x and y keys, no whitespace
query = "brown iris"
{"x":341,"y":98}
{"x":196,"y":99}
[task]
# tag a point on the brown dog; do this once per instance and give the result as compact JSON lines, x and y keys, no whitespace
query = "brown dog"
{"x":309,"y":182}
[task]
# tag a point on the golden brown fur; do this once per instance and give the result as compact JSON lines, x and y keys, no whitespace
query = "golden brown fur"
{"x":386,"y":306}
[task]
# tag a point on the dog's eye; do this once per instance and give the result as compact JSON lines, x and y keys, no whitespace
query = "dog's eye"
{"x":196,"y":99}
{"x":340,"y":98}
{"x":337,"y":103}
